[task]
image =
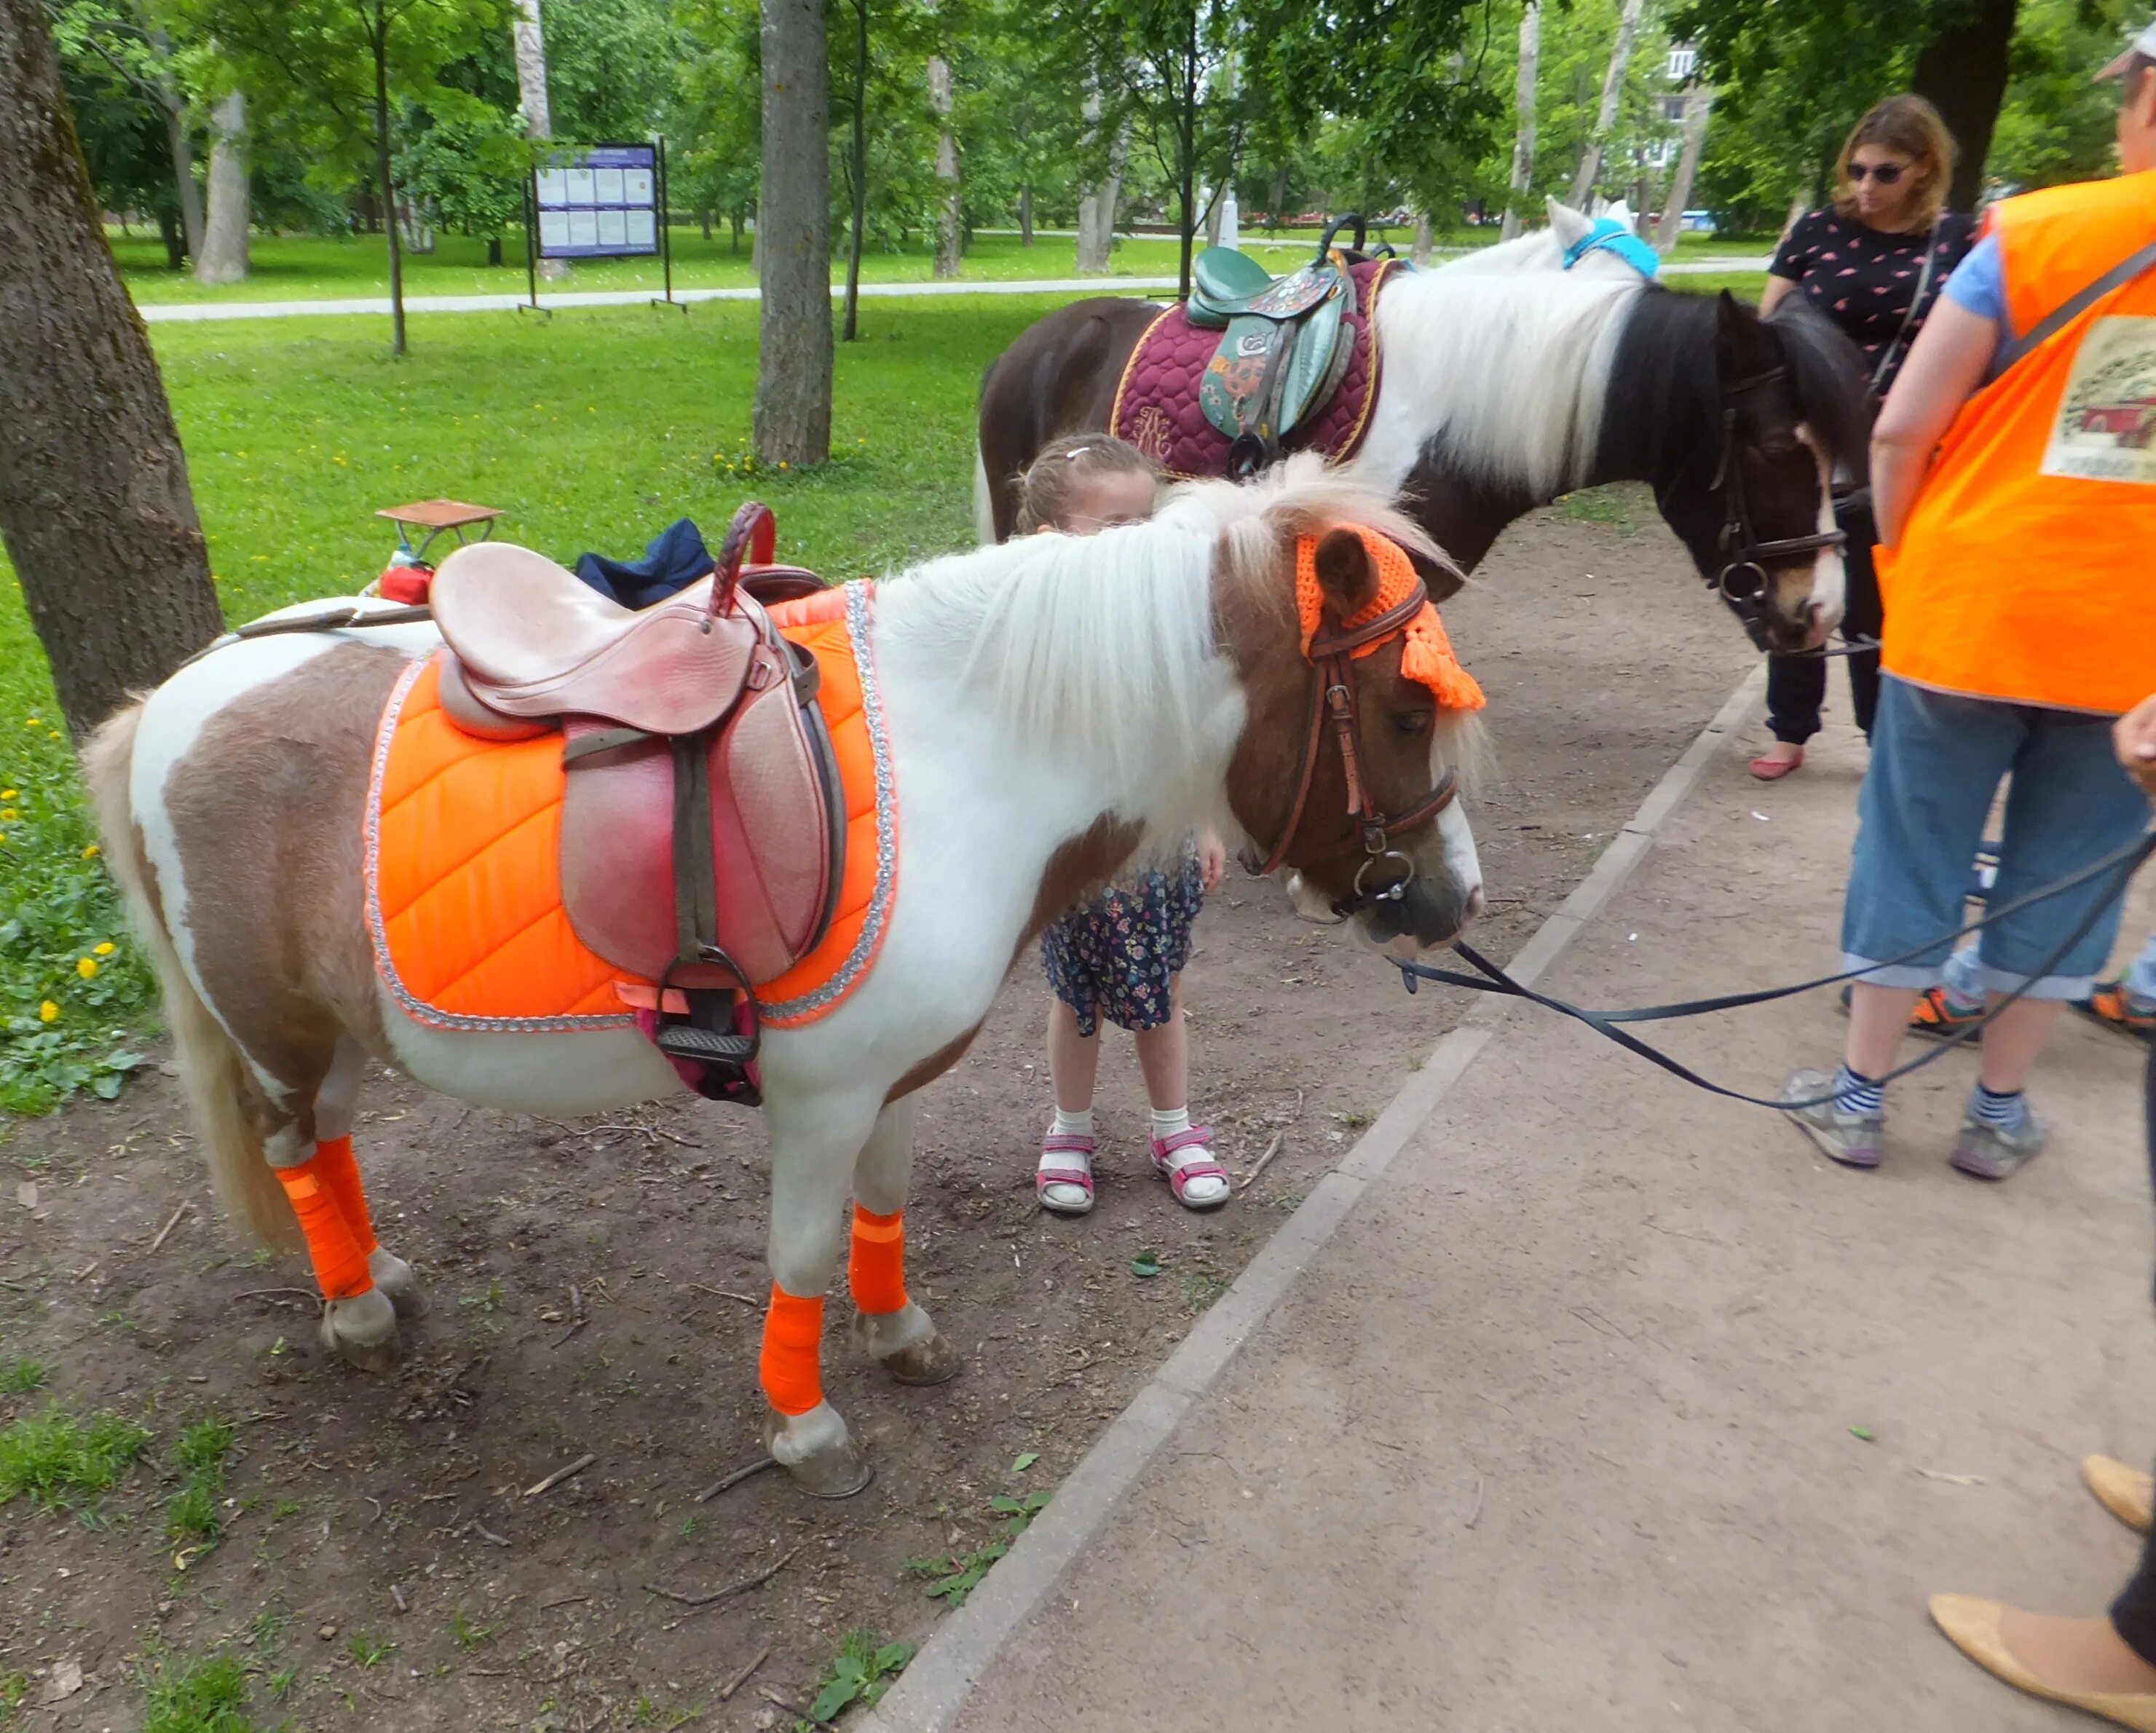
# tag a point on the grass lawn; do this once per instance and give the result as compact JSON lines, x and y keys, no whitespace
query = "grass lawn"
{"x":318,"y":268}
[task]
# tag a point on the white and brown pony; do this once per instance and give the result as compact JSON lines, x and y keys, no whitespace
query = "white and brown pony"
{"x":1049,"y":706}
{"x":1501,"y":390}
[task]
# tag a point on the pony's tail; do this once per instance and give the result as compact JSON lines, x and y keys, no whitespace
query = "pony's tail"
{"x":212,"y":1068}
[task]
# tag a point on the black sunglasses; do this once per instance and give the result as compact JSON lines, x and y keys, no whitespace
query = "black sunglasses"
{"x":1886,"y":173}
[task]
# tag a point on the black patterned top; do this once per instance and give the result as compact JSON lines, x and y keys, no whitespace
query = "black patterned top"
{"x":1864,"y":279}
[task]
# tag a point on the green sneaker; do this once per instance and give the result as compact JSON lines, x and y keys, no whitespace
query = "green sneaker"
{"x":1856,"y":1140}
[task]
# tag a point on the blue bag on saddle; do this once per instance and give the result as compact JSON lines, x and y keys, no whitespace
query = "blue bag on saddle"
{"x":675,"y":558}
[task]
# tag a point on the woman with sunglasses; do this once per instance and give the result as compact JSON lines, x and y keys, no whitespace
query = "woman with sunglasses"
{"x":1873,"y":260}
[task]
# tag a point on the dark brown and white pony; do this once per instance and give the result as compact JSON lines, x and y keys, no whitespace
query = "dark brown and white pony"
{"x":1499,"y":392}
{"x":1048,"y":706}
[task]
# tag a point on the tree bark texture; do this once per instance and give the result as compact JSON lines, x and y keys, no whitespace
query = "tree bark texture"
{"x":1699,"y":102}
{"x":223,"y":255}
{"x":1425,"y":238}
{"x":1963,"y":71}
{"x":792,"y":416}
{"x":1523,"y":106}
{"x":1613,"y":91}
{"x":95,"y":512}
{"x":1026,"y":214}
{"x":182,"y":149}
{"x":858,"y":171}
{"x":949,"y":224}
{"x":528,"y":41}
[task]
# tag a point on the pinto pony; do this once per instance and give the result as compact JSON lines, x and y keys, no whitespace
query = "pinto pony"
{"x":1049,"y":707}
{"x":1496,"y":391}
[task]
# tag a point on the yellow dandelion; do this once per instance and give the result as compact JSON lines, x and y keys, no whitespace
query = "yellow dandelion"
{"x":783,"y":463}
{"x":92,"y":852}
{"x":103,"y":949}
{"x":7,"y":794}
{"x":3,"y":836}
{"x":32,"y":722}
{"x":86,"y":966}
{"x":48,"y":1012}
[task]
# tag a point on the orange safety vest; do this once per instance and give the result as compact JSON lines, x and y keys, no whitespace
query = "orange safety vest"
{"x":2025,"y":573}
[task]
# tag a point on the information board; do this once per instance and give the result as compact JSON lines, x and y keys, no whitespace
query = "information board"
{"x":598,"y":202}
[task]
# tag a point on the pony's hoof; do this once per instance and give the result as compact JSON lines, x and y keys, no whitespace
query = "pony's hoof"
{"x":934,"y":1362}
{"x":818,"y":1451}
{"x":363,"y":1329}
{"x":397,"y":1278}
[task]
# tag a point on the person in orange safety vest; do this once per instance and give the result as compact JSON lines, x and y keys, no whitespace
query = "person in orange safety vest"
{"x":2014,"y":475}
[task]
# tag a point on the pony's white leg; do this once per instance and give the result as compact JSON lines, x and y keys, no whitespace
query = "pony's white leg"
{"x":887,"y":1321}
{"x":814,"y":1142}
{"x":336,"y":1104}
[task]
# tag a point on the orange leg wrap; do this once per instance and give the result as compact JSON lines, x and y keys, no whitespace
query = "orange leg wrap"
{"x":791,"y":1369}
{"x":340,"y":1265}
{"x":876,"y":1267}
{"x":339,"y":1174}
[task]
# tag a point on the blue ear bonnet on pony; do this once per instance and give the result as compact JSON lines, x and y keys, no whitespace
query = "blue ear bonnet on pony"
{"x":1610,"y":236}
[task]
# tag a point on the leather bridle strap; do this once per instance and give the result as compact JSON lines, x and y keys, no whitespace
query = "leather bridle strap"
{"x":1332,"y":696}
{"x":1741,"y":548}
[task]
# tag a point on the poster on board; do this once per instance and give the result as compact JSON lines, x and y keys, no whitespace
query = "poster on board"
{"x":598,"y":202}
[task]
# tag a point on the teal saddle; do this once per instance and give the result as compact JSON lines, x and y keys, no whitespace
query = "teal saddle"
{"x":1285,"y":344}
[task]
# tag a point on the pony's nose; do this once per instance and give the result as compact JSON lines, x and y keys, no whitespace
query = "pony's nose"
{"x":1476,"y":904}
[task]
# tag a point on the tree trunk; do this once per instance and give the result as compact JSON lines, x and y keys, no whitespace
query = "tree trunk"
{"x":950,"y":238}
{"x":1096,"y":210}
{"x":1523,"y":105}
{"x":1698,"y":100}
{"x":1613,"y":90}
{"x":528,"y":42}
{"x":1186,"y":159}
{"x":493,"y":251}
{"x":1425,"y":238}
{"x":738,"y":219}
{"x":183,"y":175}
{"x":175,"y":243}
{"x":385,"y":180}
{"x":223,"y":255}
{"x":1026,"y":214}
{"x":95,"y":512}
{"x":1963,"y":71}
{"x":858,"y":171}
{"x":705,"y":217}
{"x":792,"y":416}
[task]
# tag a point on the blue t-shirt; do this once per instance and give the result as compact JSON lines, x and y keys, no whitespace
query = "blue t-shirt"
{"x":1978,"y":285}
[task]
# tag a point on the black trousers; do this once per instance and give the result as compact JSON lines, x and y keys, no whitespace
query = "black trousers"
{"x":2134,"y":1614}
{"x":1796,"y":685}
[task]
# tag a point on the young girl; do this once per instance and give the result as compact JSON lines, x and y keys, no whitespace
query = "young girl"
{"x":1120,"y":955}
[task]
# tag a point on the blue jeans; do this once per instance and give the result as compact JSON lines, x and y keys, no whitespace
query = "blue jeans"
{"x":1937,"y":761}
{"x":1963,"y":976}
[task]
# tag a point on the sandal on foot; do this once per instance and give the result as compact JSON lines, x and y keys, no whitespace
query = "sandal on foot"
{"x":2111,"y":1005}
{"x":1066,"y":1161}
{"x":1179,"y":1175}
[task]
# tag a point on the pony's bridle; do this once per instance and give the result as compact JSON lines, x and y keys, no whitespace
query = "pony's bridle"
{"x":1743,"y":577}
{"x":1332,"y":697}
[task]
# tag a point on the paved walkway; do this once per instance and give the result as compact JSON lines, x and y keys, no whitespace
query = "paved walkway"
{"x":200,"y":312}
{"x":1554,"y":1429}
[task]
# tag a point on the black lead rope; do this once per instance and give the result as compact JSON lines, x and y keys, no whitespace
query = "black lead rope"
{"x":2124,"y":863}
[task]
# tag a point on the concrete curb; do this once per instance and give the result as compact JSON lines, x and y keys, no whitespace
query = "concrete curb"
{"x":959,"y":1652}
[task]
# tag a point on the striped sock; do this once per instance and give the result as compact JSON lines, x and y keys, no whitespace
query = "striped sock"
{"x":2006,"y":1111}
{"x":1855,"y":1093}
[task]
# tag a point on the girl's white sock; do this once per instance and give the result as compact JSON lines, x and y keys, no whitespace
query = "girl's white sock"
{"x":1166,"y":1122}
{"x":1072,"y":1125}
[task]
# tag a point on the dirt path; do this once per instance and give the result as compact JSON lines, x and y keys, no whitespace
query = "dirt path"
{"x":392,"y":1515}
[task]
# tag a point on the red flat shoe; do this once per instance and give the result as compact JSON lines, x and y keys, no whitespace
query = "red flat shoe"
{"x":1773,"y":770}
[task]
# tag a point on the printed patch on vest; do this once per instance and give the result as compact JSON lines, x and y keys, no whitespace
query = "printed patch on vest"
{"x":2107,"y":426}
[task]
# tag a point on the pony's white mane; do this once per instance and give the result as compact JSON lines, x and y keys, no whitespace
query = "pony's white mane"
{"x":1104,"y":645}
{"x":1509,"y":369}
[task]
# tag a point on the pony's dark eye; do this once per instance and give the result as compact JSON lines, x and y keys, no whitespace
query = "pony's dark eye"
{"x":1413,"y":724}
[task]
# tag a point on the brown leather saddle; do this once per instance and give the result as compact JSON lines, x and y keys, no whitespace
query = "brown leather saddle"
{"x":703,"y":832}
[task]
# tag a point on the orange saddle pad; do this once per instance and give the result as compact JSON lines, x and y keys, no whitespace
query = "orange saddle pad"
{"x":463,"y":843}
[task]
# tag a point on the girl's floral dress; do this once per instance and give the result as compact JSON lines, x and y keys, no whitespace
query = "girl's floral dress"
{"x":1118,"y":955}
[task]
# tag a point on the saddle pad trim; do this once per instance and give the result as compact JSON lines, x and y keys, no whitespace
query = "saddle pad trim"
{"x":1123,"y":384}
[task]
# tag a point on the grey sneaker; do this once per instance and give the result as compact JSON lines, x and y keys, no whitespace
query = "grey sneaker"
{"x":1856,"y":1140}
{"x":1987,"y":1152}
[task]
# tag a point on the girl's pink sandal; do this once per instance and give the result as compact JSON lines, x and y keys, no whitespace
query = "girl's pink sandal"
{"x":1179,"y":1174}
{"x":1077,"y":1173}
